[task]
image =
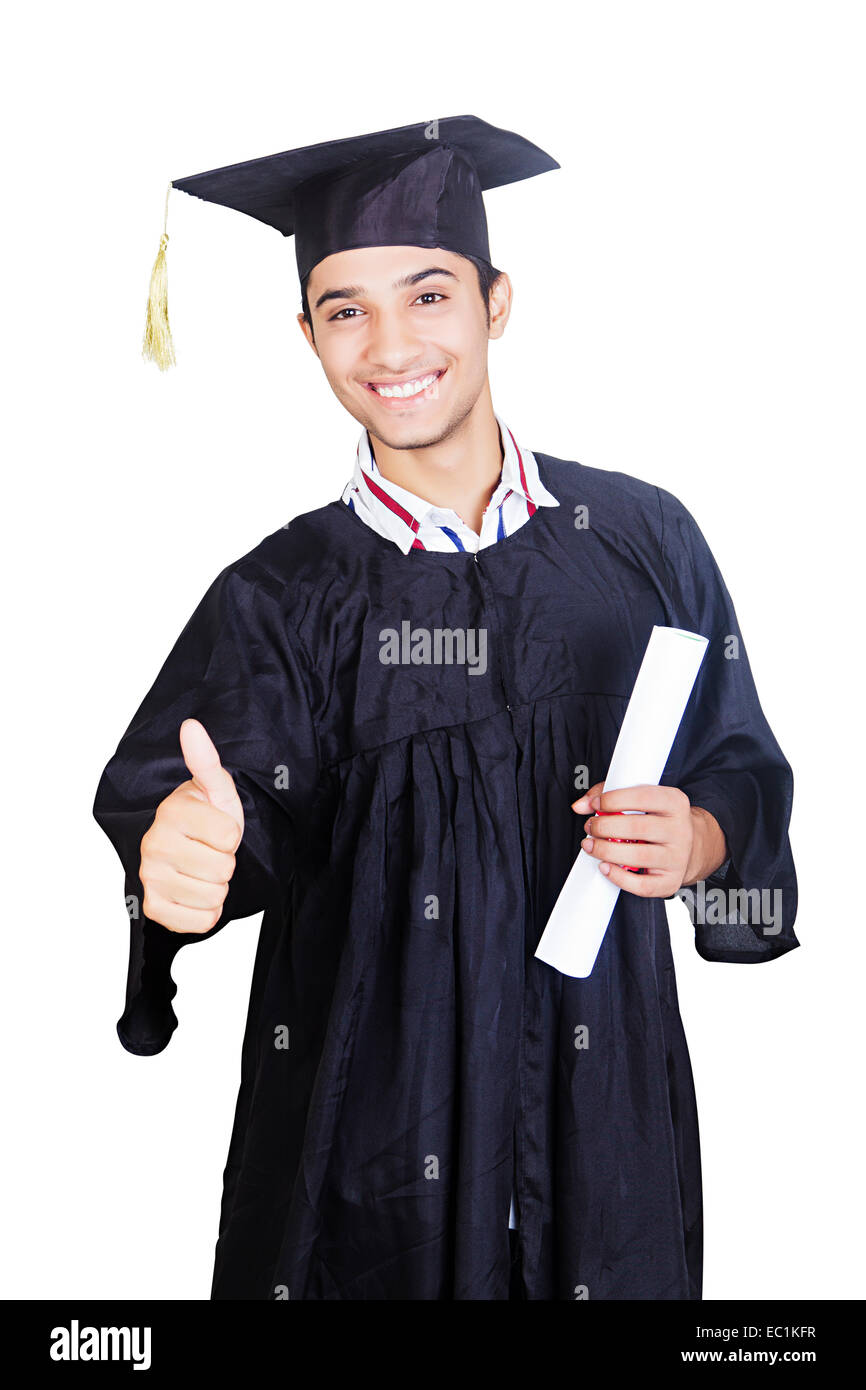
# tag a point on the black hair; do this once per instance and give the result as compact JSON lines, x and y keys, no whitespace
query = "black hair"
{"x":487,"y":277}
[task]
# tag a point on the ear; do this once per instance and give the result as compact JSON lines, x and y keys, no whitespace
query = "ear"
{"x":500,"y":305}
{"x":307,"y":331}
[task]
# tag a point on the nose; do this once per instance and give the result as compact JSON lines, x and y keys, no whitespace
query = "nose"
{"x":393,"y":345}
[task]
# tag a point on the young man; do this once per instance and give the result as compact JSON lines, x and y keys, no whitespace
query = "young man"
{"x":372,"y":727}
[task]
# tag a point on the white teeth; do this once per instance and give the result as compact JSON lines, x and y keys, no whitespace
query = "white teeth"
{"x":409,"y":388}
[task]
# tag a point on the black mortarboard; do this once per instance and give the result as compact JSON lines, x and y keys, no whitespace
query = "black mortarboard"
{"x":417,"y":185}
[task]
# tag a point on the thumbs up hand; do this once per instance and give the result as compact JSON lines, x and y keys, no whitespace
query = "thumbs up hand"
{"x":188,"y":854}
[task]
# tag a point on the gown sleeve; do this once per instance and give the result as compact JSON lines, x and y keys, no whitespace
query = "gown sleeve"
{"x":237,"y":667}
{"x":726,"y":759}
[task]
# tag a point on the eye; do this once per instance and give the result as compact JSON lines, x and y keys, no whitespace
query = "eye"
{"x":349,"y":309}
{"x":430,"y":295}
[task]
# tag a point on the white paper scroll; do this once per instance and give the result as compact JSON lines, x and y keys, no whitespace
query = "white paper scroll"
{"x":575,"y":930}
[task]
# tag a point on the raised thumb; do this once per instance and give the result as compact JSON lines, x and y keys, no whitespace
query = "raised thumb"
{"x":206,"y":770}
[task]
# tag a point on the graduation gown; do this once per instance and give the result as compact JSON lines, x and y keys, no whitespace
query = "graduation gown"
{"x":408,"y":829}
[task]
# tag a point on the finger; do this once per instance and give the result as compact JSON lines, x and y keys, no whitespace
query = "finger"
{"x":199,"y":820}
{"x":641,"y":856}
{"x":208,"y":773}
{"x":646,"y":826}
{"x":663,"y":801}
{"x":166,"y":850}
{"x":582,"y":805}
{"x":180,"y":888}
{"x":175,"y":917}
{"x":652,"y":884}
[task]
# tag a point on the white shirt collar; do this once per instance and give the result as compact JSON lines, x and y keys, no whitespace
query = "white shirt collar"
{"x":402,"y":514}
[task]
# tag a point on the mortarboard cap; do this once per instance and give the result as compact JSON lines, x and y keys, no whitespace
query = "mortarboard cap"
{"x":416,"y":185}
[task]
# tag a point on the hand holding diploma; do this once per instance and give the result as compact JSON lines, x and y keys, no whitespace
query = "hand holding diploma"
{"x":188,"y":854}
{"x":679,"y":843}
{"x":669,"y":846}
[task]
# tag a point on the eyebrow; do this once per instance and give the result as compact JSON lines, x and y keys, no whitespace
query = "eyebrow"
{"x":356,"y":291}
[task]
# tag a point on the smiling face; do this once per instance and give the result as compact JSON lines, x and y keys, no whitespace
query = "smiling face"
{"x":402,"y":333}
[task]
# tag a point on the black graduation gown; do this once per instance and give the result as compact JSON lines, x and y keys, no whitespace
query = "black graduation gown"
{"x":406,"y":874}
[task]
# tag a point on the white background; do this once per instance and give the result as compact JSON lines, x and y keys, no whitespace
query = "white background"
{"x":689,"y":308}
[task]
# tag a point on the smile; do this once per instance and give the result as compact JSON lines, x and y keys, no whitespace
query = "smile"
{"x":404,"y":390}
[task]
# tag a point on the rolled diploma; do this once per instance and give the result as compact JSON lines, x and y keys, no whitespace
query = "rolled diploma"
{"x":575,"y":930}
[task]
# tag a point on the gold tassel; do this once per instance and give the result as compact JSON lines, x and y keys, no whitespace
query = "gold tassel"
{"x":157,"y":345}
